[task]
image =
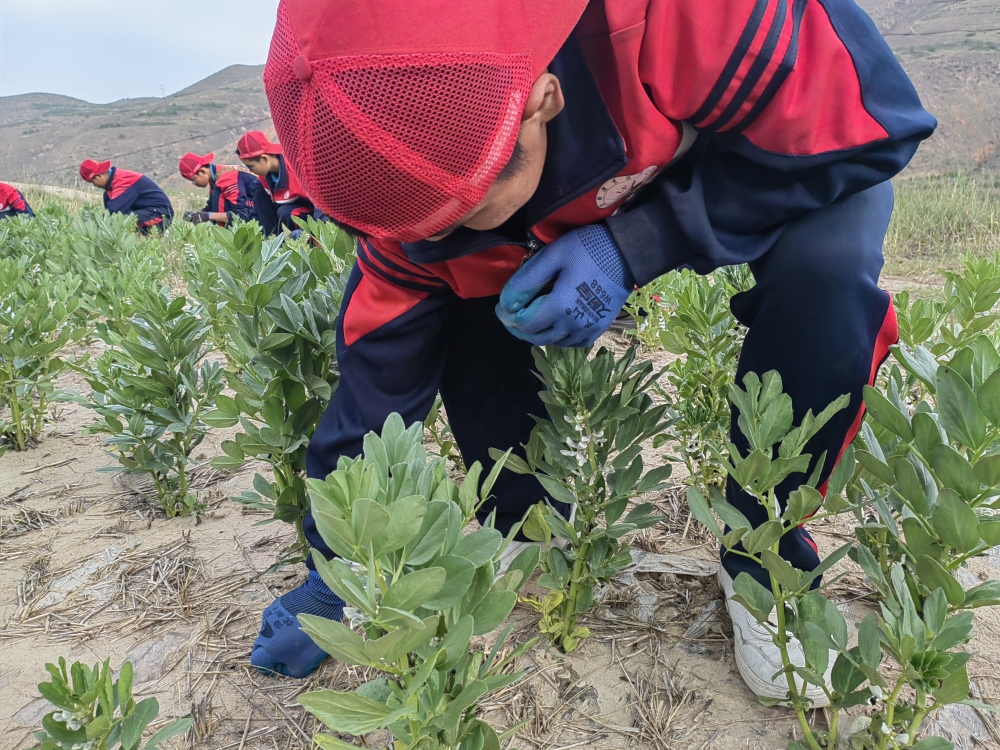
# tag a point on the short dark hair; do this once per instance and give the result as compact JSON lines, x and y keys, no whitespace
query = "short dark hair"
{"x":518,"y":159}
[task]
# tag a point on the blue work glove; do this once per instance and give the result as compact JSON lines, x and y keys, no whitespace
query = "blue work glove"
{"x":591,"y":285}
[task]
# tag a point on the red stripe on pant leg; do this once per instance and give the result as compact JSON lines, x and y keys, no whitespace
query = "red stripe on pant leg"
{"x":888,"y":335}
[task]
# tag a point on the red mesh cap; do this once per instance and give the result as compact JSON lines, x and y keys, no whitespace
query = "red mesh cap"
{"x":397,"y":115}
{"x":254,"y":144}
{"x":191,"y":163}
{"x":89,"y":169}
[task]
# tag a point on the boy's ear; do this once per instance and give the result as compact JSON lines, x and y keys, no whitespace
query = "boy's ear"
{"x":545,"y":100}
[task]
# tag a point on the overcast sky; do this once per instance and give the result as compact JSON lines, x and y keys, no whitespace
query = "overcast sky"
{"x":105,"y":50}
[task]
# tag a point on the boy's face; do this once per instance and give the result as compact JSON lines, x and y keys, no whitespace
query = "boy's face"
{"x":510,"y":192}
{"x":202,"y":177}
{"x":260,"y":165}
{"x":101,"y":180}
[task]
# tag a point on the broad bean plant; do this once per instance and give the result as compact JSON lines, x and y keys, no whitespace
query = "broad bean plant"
{"x":419,"y":590}
{"x":154,"y":388}
{"x":278,"y":306}
{"x":588,"y":454}
{"x":97,"y":712}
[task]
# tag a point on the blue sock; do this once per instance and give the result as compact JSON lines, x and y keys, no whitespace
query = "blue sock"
{"x":282,"y":648}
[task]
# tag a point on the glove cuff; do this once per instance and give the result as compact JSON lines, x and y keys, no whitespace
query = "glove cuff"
{"x":601,"y":248}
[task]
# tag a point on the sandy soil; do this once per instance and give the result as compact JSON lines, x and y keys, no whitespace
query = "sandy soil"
{"x":90,"y":571}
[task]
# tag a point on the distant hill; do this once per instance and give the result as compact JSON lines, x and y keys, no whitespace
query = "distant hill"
{"x":951,"y":49}
{"x":43,"y":137}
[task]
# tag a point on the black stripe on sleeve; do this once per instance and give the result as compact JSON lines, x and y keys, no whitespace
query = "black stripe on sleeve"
{"x":783,"y":71}
{"x":734,"y":62}
{"x":760,"y":64}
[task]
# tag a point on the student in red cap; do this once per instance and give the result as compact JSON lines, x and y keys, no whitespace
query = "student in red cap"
{"x":128,"y":192}
{"x":12,"y":202}
{"x":231,"y":189}
{"x":279,"y":185}
{"x":515,"y":169}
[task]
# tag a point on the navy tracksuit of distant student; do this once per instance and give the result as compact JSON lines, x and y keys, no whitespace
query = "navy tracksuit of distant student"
{"x":133,"y":193}
{"x":231,"y":192}
{"x":702,"y":135}
{"x":12,"y":202}
{"x":280,"y":199}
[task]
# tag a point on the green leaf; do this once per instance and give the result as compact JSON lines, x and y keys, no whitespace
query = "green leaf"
{"x":174,"y":728}
{"x":984,"y":595}
{"x":493,"y":610}
{"x":957,"y":629}
{"x":413,"y":589}
{"x":526,"y":562}
{"x":959,"y":409}
{"x":763,"y":537}
{"x":879,"y":468}
{"x":654,"y":478}
{"x":460,"y":573}
{"x":987,"y":470}
{"x":338,"y":640}
{"x":456,"y":642}
{"x":908,"y":485}
{"x":134,"y":725}
{"x":276,"y":341}
{"x":701,"y":511}
{"x":556,"y":489}
{"x":869,"y":647}
{"x":955,"y":472}
{"x":926,"y":433}
{"x":935,"y":611}
{"x":449,"y":720}
{"x":933,"y":743}
{"x":479,"y":547}
{"x":988,"y":398}
{"x":219,"y":420}
{"x":258,"y":295}
{"x":934,"y":576}
{"x":887,"y":414}
{"x":757,"y":599}
{"x":329,"y":742}
{"x":555,"y":560}
{"x":955,"y":522}
{"x":802,"y":504}
{"x":845,"y":676}
{"x":350,"y":713}
{"x":368,"y":519}
{"x":954,"y":688}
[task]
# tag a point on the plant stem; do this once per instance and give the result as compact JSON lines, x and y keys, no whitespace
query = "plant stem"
{"x":883,"y":742}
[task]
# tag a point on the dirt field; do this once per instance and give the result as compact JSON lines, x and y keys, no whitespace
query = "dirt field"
{"x":89,"y":571}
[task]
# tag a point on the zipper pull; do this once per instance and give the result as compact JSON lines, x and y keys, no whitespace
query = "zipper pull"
{"x":532,"y":246}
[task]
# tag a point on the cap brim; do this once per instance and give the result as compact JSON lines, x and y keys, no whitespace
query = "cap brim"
{"x":551,"y":21}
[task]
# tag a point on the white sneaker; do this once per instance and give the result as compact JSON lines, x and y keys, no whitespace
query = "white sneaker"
{"x":515,"y":548}
{"x":758,"y":659}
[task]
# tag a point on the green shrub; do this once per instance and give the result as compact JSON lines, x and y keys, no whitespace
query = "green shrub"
{"x":419,"y":589}
{"x":38,"y":318}
{"x":279,"y":308}
{"x":588,"y":454}
{"x":153,"y":389}
{"x":96,"y":712}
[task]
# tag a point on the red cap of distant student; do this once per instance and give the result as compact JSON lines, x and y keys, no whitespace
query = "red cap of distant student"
{"x":191,"y":163}
{"x":398,"y":115}
{"x":254,"y":144}
{"x":89,"y":169}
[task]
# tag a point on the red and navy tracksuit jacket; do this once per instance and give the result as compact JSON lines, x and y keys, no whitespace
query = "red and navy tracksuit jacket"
{"x":12,"y":202}
{"x":231,"y":192}
{"x":701,"y":134}
{"x":134,"y":193}
{"x":280,"y":198}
